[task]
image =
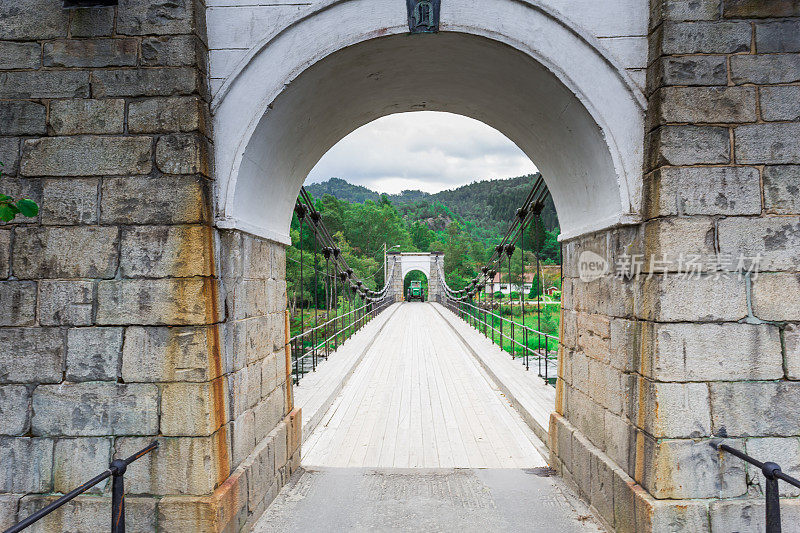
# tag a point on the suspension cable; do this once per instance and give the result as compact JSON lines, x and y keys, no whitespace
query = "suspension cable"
{"x":461,"y":301}
{"x":323,"y":338}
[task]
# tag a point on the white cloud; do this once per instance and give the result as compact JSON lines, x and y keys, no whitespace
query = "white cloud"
{"x":425,"y":150}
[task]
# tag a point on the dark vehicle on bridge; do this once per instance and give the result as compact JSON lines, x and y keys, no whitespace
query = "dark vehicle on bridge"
{"x":415,"y":292}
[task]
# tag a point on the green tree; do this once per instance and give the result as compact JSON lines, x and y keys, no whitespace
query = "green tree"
{"x":368,"y":226}
{"x":422,"y":236}
{"x":536,"y":237}
{"x":458,"y":265}
{"x":551,"y":248}
{"x":332,"y":211}
{"x":536,"y":287}
{"x":299,"y":295}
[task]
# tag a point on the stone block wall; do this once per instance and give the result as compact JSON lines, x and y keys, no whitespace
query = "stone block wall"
{"x":125,"y":316}
{"x":394,"y":266}
{"x":264,"y":428}
{"x":656,"y":368}
{"x":435,"y":289}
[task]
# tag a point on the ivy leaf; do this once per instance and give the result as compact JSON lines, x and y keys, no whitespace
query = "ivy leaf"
{"x":4,"y":198}
{"x":28,"y":207}
{"x":6,"y":213}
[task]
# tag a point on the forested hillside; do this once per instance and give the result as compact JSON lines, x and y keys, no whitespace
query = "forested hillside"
{"x":485,"y":207}
{"x":491,"y":204}
{"x":343,"y":190}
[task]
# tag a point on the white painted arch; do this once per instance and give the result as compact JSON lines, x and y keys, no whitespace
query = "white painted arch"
{"x":516,"y":65}
{"x":415,"y":261}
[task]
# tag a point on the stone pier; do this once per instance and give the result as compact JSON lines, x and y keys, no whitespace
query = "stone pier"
{"x":125,"y":315}
{"x":655,"y":368}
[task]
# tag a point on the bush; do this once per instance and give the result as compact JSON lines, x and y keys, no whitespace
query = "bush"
{"x":506,"y":310}
{"x":10,"y":207}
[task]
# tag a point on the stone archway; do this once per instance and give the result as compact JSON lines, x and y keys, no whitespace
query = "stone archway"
{"x":414,"y":274}
{"x":556,"y":93}
{"x":427,"y":263}
{"x":535,"y":87}
{"x":415,"y":261}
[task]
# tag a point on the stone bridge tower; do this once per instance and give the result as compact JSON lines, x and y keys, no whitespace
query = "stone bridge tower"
{"x":394,"y":265}
{"x":427,"y":263}
{"x":126,"y":316}
{"x":435,"y":289}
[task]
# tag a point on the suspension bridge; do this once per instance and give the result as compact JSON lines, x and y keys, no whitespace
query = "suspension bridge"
{"x":434,"y":415}
{"x":443,"y":405}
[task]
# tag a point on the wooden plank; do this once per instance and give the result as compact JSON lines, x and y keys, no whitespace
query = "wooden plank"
{"x":379,"y":428}
{"x":419,"y":399}
{"x":346,"y":419}
{"x":444,"y":447}
{"x":402,"y":443}
{"x":449,"y":423}
{"x":478,"y":454}
{"x":388,"y":441}
{"x":416,"y":452}
{"x":430,"y":452}
{"x":317,"y":390}
{"x":372,"y":406}
{"x":531,"y":396}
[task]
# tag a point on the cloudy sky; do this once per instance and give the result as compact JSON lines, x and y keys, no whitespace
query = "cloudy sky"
{"x":426,"y":150}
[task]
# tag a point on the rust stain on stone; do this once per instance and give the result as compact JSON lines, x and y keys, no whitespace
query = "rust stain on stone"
{"x":644,"y":359}
{"x":639,"y":469}
{"x":295,"y":432}
{"x":642,"y":404}
{"x":760,"y":8}
{"x":288,"y":360}
{"x":553,"y":434}
{"x":214,"y":348}
{"x":561,"y":354}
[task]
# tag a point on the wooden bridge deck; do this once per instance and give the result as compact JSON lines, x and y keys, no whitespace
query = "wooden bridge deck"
{"x":421,"y":437}
{"x":419,"y":399}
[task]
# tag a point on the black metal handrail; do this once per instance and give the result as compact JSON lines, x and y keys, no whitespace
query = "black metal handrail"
{"x":478,"y":317}
{"x":772,"y":473}
{"x":325,"y":339}
{"x":116,"y":470}
{"x":342,"y":288}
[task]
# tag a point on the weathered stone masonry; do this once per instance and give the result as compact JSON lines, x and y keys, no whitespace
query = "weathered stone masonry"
{"x":124,"y":315}
{"x":654,"y":369}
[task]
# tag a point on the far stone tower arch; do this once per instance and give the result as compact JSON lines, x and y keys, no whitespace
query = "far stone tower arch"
{"x":401,"y":264}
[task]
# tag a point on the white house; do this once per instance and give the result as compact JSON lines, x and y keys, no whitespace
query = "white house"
{"x":500,"y":283}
